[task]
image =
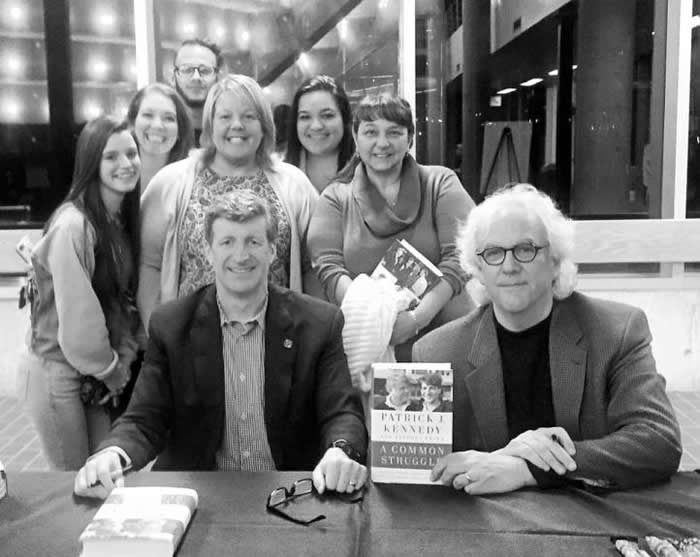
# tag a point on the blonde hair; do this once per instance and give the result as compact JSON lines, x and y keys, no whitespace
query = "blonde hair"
{"x":559,"y":229}
{"x":246,"y":88}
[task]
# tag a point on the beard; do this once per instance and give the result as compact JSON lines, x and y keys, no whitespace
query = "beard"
{"x":195,"y":104}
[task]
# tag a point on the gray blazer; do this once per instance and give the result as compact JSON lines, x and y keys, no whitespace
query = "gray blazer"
{"x":605,"y":389}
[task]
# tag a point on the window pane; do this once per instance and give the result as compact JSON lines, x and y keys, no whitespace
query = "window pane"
{"x":103,"y":57}
{"x":693,"y":193}
{"x":24,"y":110}
{"x":282,"y":43}
{"x":576,"y":105}
{"x":430,"y":81}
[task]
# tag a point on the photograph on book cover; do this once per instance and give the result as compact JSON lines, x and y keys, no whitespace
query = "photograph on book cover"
{"x":411,"y":420}
{"x":407,"y":268}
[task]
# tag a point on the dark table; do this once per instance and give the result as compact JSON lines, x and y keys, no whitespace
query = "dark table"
{"x":41,"y":517}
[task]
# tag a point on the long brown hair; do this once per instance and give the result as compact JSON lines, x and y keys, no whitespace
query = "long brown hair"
{"x":347,"y":143}
{"x":85,"y":194}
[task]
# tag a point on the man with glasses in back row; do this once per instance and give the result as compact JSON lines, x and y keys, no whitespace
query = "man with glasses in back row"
{"x":197,"y":66}
{"x":550,"y":386}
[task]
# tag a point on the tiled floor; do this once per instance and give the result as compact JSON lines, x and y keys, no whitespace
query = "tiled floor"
{"x":20,"y":449}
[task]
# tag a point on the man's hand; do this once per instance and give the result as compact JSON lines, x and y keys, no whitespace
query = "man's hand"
{"x":480,"y":473}
{"x":338,"y":472}
{"x":546,"y":447}
{"x":100,"y":475}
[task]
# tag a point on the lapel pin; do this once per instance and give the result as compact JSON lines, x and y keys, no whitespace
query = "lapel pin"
{"x":287,"y":343}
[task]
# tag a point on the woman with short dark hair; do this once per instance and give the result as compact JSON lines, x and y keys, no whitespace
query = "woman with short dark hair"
{"x":383,"y":195}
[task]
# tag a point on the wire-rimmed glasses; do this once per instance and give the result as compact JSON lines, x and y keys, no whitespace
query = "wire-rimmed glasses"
{"x":523,"y":253}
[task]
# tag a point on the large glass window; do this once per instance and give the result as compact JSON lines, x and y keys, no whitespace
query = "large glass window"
{"x":576,"y":105}
{"x":103,"y":57}
{"x":282,"y":43}
{"x":24,"y":110}
{"x":693,"y":191}
{"x":64,"y":62}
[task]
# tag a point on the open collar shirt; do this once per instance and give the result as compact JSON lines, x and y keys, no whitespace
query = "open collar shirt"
{"x":244,"y":445}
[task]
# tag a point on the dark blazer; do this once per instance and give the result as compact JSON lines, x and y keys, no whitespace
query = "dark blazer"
{"x":177,"y":410}
{"x":605,"y":389}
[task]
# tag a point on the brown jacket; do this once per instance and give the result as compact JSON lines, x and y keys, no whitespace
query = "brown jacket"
{"x":606,"y":391}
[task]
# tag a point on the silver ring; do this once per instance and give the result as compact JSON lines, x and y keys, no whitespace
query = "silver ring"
{"x":353,"y":483}
{"x":468,"y":478}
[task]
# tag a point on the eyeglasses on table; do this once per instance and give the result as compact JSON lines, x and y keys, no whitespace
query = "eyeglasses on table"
{"x":279,"y":497}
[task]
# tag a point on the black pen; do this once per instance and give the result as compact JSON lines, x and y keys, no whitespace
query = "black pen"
{"x":116,"y":474}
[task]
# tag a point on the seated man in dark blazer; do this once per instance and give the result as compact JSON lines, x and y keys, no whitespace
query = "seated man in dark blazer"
{"x":550,"y":386}
{"x":241,"y":374}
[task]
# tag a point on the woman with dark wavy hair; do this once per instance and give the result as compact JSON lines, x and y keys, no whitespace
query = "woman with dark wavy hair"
{"x":162,"y":126}
{"x":320,"y":130}
{"x":84,"y":322}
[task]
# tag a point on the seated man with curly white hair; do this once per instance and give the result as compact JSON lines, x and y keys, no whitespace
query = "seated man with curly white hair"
{"x":551,"y":387}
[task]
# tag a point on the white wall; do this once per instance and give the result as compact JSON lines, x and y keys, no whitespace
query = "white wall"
{"x":674,"y":318}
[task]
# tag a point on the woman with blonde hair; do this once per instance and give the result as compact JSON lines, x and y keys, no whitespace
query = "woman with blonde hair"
{"x":238,"y":142}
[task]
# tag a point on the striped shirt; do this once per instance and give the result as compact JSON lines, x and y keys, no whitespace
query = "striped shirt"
{"x":244,"y":446}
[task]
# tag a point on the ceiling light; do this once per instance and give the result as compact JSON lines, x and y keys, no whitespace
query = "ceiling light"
{"x":11,"y":109}
{"x":342,"y":29}
{"x":505,"y":91}
{"x":91,"y":110}
{"x":531,"y":82}
{"x":105,"y":21}
{"x":17,"y":14}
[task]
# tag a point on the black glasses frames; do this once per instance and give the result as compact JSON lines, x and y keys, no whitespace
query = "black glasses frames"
{"x":279,"y":497}
{"x":523,"y":253}
{"x":203,"y":71}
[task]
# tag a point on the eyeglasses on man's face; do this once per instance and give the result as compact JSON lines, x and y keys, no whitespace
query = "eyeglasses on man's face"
{"x":523,"y":253}
{"x":281,"y":495}
{"x":202,"y":70}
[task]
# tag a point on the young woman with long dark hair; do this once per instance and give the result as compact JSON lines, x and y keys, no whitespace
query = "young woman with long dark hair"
{"x":319,"y":139}
{"x":84,"y":322}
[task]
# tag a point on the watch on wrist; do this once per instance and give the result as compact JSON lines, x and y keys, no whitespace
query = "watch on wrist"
{"x":347,"y":448}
